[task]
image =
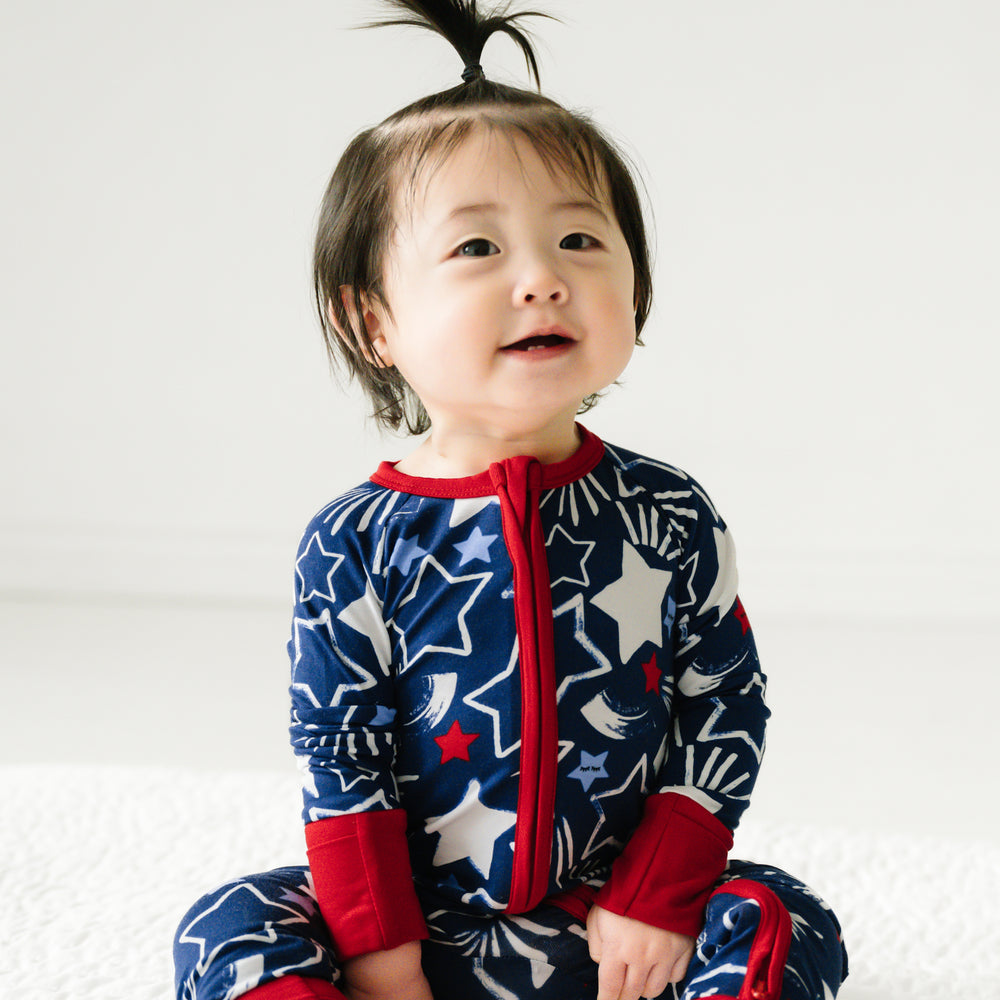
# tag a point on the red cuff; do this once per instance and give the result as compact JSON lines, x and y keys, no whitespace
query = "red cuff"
{"x":669,"y":866}
{"x":364,"y":883}
{"x":295,"y":988}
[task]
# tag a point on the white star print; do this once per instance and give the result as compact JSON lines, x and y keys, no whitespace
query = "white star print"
{"x":566,"y":546}
{"x":635,"y":600}
{"x":470,"y":700}
{"x":723,"y":592}
{"x":431,"y":564}
{"x":305,"y":625}
{"x":470,"y":831}
{"x":328,"y":594}
{"x":267,"y":936}
{"x":709,"y":732}
{"x":637,"y":772}
{"x":463,"y":509}
{"x":365,"y":616}
{"x":575,"y":605}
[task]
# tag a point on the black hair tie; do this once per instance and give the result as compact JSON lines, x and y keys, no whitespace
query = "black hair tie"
{"x":472,"y":72}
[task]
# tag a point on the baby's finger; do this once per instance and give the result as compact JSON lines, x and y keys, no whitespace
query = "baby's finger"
{"x":656,"y":981}
{"x":594,"y":941}
{"x":679,"y":969}
{"x":610,"y":979}
{"x":634,"y":986}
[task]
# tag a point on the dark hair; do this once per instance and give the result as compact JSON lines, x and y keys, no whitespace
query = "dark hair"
{"x":356,"y":221}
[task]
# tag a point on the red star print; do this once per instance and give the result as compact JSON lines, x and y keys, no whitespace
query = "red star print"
{"x":455,"y":743}
{"x":741,"y":616}
{"x":653,"y":673}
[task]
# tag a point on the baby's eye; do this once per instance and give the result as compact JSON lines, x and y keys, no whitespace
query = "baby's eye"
{"x":477,"y":248}
{"x":578,"y":241}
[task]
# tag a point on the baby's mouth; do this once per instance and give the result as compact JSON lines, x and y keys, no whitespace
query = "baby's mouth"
{"x":538,"y":342}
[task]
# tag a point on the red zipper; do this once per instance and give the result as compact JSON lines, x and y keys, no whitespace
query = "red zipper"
{"x":517,"y":483}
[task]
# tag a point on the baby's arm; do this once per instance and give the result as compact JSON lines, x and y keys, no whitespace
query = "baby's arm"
{"x":343,"y":732}
{"x":635,"y":959}
{"x":671,"y":863}
{"x":387,"y":975}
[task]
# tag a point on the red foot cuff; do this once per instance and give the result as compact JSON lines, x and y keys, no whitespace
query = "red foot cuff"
{"x":669,"y":866}
{"x":364,"y":883}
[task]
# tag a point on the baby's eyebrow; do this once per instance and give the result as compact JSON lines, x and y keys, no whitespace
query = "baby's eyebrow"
{"x":481,"y":208}
{"x":585,"y":206}
{"x":487,"y":207}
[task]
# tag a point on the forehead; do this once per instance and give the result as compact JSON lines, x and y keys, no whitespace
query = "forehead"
{"x":488,"y":162}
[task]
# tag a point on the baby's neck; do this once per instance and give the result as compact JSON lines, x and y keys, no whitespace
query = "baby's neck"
{"x":449,"y":456}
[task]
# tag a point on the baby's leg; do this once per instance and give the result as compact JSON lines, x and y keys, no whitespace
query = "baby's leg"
{"x":541,"y":955}
{"x":260,"y":936}
{"x":769,"y":936}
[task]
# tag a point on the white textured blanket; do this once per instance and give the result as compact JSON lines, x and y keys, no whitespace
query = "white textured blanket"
{"x":100,"y":863}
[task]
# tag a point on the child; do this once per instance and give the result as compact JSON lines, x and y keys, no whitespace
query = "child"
{"x":525,"y":696}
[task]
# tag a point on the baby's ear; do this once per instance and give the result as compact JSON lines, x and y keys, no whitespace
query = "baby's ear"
{"x":364,"y":330}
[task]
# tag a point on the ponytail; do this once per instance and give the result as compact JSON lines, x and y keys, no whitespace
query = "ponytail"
{"x":468,"y":30}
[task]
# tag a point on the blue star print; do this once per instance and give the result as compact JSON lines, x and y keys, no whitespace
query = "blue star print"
{"x":476,"y":546}
{"x":404,"y":553}
{"x":591,"y":768}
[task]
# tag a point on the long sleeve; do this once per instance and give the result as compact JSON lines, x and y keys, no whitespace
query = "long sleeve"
{"x":343,"y":734}
{"x":668,"y":867}
{"x":719,"y":711}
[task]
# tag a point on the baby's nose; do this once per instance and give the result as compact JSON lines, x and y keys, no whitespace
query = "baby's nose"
{"x":541,"y":284}
{"x":553,"y":296}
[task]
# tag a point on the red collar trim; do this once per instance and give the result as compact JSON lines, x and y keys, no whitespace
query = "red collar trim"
{"x":582,"y":462}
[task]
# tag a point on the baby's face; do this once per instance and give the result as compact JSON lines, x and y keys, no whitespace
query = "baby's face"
{"x":510,"y":290}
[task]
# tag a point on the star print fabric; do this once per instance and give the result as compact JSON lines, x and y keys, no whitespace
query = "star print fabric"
{"x":536,"y":641}
{"x":766,"y":936}
{"x":515,"y":695}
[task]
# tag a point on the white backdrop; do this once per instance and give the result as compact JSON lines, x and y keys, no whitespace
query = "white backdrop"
{"x":822,"y":354}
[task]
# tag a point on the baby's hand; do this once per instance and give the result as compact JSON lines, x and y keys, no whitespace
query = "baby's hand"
{"x":387,"y":975}
{"x":635,"y":959}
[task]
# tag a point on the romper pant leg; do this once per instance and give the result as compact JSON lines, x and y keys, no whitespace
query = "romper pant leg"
{"x":263,"y":933}
{"x":767,"y":936}
{"x":540,"y":955}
